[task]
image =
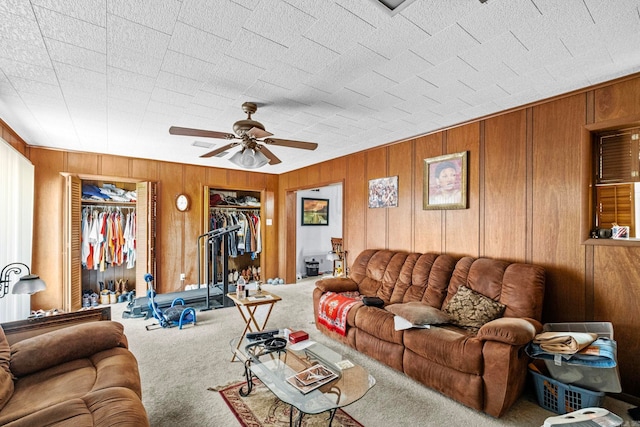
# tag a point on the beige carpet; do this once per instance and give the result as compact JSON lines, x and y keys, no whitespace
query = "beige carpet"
{"x":178,"y":366}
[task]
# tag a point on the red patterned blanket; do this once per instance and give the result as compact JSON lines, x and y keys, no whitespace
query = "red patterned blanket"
{"x":333,"y":311}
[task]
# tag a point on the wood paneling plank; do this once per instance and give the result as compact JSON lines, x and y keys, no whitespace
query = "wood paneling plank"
{"x":462,"y":225}
{"x":400,"y":224}
{"x":376,"y":218}
{"x":616,"y":294}
{"x":427,"y":223}
{"x":557,"y":189}
{"x":505,"y":189}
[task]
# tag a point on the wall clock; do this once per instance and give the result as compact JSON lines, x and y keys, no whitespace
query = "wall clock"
{"x":182,"y":202}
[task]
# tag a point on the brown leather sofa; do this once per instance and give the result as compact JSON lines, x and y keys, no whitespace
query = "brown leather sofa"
{"x":484,"y":370}
{"x":80,"y":375}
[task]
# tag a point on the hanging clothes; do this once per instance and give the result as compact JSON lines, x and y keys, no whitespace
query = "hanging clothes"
{"x":247,"y":239}
{"x":108,"y":237}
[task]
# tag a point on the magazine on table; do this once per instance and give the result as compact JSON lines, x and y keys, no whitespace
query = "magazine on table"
{"x":312,"y":378}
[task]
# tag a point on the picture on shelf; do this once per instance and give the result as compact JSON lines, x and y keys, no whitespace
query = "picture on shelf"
{"x":315,"y":211}
{"x":312,"y":378}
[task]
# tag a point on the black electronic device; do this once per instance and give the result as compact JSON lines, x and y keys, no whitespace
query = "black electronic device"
{"x":274,"y":344}
{"x":262,"y":335}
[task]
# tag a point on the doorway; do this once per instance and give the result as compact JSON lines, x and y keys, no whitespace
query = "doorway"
{"x":313,"y":240}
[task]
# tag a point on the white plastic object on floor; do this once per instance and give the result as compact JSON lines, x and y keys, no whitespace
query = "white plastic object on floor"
{"x":585,"y":417}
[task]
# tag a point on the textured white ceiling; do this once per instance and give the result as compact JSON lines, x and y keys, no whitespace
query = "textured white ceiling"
{"x":111,"y":76}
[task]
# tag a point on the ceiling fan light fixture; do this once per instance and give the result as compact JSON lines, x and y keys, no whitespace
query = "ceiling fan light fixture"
{"x":249,"y":158}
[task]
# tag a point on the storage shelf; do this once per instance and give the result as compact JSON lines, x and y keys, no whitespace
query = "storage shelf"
{"x":108,"y":203}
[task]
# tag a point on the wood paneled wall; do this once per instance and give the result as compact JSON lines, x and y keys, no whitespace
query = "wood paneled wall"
{"x":529,"y":175}
{"x":13,"y":138}
{"x":176,"y":246}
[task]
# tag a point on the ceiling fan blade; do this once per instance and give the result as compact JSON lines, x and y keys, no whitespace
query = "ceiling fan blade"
{"x":255,"y":132}
{"x":273,"y":160}
{"x":220,"y":150}
{"x":290,"y":143}
{"x":174,"y":130}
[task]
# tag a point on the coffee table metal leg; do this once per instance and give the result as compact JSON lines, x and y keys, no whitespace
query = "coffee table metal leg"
{"x":298,"y":422}
{"x":249,"y":376}
{"x":333,"y":414}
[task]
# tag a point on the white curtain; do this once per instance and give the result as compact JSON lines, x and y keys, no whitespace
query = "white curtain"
{"x":16,"y":224}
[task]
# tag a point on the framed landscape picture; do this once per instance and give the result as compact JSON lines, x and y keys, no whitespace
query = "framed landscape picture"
{"x":315,"y":211}
{"x":445,"y":182}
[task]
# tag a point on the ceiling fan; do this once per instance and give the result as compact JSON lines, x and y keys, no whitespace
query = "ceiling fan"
{"x":251,"y":136}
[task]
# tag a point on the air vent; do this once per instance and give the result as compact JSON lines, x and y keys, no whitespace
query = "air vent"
{"x":203,"y":144}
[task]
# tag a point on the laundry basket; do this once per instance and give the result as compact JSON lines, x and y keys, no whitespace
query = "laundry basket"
{"x":562,"y":398}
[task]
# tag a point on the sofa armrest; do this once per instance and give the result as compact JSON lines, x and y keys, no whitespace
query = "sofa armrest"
{"x":336,"y":284}
{"x":63,"y":345}
{"x":510,"y":330}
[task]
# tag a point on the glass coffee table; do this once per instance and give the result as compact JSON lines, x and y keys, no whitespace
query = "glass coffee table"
{"x":275,"y":363}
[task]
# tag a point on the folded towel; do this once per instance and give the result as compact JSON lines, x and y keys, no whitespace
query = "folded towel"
{"x":564,"y":342}
{"x":599,"y":354}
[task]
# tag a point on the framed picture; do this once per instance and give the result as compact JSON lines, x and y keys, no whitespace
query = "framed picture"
{"x":383,"y":192}
{"x":445,"y":182}
{"x":315,"y":211}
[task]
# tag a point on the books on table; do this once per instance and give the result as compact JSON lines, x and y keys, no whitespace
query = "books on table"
{"x":312,"y":378}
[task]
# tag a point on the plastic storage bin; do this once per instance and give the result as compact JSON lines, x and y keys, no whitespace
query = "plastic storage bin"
{"x":561,"y":398}
{"x":593,"y":378}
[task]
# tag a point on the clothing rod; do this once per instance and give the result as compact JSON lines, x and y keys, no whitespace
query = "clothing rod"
{"x":233,"y":209}
{"x":108,"y":207}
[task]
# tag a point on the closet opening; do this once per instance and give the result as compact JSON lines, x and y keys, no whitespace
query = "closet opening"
{"x":109,"y":239}
{"x":243,"y":249}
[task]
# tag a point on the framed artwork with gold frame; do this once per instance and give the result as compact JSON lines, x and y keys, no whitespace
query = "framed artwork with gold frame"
{"x":445,"y":182}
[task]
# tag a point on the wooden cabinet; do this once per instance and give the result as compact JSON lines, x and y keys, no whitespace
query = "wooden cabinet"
{"x":616,"y":204}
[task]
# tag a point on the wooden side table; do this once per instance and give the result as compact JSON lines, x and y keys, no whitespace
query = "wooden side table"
{"x":248,"y":307}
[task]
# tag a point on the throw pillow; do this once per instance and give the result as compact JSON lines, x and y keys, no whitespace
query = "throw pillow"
{"x":418,"y":313}
{"x":470,"y":309}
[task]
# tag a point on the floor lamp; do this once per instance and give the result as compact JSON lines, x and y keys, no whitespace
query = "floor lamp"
{"x":27,"y":283}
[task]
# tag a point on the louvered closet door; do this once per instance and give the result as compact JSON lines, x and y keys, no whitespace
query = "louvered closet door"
{"x":72,"y":271}
{"x":145,"y":234}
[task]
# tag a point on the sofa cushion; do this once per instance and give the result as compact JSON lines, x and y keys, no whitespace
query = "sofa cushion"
{"x":450,"y":347}
{"x":471,"y":310}
{"x":62,"y":345}
{"x":115,"y":406}
{"x":418,"y":313}
{"x":379,"y":323}
{"x":116,"y":367}
{"x":6,"y":387}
